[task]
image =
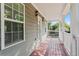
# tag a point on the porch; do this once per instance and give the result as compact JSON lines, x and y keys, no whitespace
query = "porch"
{"x":50,"y":47}
{"x":24,"y":29}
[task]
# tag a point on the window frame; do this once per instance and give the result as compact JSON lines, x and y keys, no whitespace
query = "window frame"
{"x":3,"y":19}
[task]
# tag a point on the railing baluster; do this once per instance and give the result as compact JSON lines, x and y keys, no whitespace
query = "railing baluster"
{"x":75,"y":40}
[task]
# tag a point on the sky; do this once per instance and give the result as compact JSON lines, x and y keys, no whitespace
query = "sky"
{"x":67,"y":19}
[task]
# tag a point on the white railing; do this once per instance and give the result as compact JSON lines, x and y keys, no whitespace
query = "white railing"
{"x":53,"y":33}
{"x":76,"y":45}
{"x":67,"y":42}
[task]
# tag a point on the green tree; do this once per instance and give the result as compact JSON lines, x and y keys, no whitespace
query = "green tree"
{"x":49,"y":26}
{"x":67,"y":28}
{"x":53,"y":27}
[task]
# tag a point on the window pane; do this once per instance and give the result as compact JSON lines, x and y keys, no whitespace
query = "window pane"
{"x":15,"y":15}
{"x":21,"y":36}
{"x":8,"y":12}
{"x":21,"y":8}
{"x":15,"y":36}
{"x":8,"y":35}
{"x":8,"y":38}
{"x":20,"y":27}
{"x":21,"y":31}
{"x":7,"y":26}
{"x":9,"y":4}
{"x":15,"y":6}
{"x":21,"y":17}
{"x":15,"y":27}
{"x":15,"y":31}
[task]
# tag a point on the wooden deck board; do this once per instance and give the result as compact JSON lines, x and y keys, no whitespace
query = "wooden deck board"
{"x":52,"y":48}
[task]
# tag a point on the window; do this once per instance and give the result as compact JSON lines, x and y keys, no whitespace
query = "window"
{"x":8,"y":33}
{"x":13,"y":23}
{"x":67,"y":20}
{"x":8,"y":11}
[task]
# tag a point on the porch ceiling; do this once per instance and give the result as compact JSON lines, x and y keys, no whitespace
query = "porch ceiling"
{"x":51,"y":11}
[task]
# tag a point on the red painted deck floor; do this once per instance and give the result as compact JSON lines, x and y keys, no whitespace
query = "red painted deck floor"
{"x":50,"y":47}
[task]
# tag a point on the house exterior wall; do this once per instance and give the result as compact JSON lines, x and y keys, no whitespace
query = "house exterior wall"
{"x":31,"y":35}
{"x":24,"y":48}
{"x":31,"y":27}
{"x":44,"y":29}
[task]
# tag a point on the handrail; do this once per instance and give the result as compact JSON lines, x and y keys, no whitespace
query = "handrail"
{"x":75,"y":37}
{"x":52,"y":31}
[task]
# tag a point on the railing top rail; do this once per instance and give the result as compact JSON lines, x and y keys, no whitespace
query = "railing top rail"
{"x":52,"y":31}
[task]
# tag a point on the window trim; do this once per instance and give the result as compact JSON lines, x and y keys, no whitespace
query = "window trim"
{"x":13,"y":20}
{"x":3,"y":30}
{"x":14,"y":44}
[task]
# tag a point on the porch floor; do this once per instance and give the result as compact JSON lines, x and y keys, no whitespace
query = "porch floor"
{"x":50,"y":47}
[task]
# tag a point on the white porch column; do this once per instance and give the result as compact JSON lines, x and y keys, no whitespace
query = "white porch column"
{"x":75,"y":28}
{"x":61,"y":29}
